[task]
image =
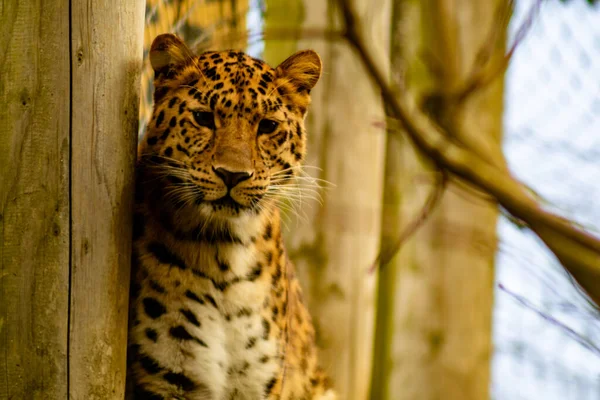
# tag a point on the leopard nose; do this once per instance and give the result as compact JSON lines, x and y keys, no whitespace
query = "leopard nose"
{"x":231,"y":178}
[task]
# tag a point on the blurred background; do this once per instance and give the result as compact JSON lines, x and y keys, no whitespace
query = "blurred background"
{"x":552,"y":142}
{"x":471,"y":306}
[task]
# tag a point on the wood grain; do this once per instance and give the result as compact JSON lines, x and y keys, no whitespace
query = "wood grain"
{"x":106,"y":64}
{"x":34,"y":199}
{"x":67,"y":145}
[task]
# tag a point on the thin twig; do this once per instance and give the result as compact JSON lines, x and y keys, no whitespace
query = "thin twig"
{"x":432,"y":200}
{"x":484,"y":76}
{"x":495,"y":37}
{"x":579,"y":338}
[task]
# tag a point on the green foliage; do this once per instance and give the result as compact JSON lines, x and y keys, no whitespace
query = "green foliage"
{"x":590,"y":2}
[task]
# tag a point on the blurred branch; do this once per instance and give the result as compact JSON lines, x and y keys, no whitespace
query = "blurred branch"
{"x":468,"y":192}
{"x":579,"y":338}
{"x":577,"y":250}
{"x":590,"y":2}
{"x":432,"y":200}
{"x":495,"y":37}
{"x":487,"y":70}
{"x":464,"y":190}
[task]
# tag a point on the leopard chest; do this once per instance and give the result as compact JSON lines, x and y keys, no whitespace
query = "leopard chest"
{"x":208,"y":335}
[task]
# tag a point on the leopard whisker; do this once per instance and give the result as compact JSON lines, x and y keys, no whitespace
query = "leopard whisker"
{"x":297,"y":194}
{"x":293,"y":202}
{"x":294,"y":189}
{"x":317,"y":182}
{"x":289,"y":209}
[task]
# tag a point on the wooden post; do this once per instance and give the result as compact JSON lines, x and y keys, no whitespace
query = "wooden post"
{"x":105,"y":69}
{"x":69,"y":95}
{"x":34,"y":200}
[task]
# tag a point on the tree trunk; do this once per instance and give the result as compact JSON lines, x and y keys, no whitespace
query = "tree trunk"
{"x":69,"y":89}
{"x":435,"y":297}
{"x":335,"y":244}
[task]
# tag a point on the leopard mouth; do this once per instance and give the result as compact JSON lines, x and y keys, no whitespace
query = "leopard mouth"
{"x":228,"y":202}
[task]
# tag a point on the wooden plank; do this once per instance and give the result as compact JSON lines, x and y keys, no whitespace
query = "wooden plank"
{"x":34,"y":199}
{"x":106,"y":64}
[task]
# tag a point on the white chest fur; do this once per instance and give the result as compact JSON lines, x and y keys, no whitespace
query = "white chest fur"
{"x":212,"y":331}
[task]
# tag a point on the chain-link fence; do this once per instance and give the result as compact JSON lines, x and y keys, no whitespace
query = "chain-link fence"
{"x":201,"y":23}
{"x":546,"y":337}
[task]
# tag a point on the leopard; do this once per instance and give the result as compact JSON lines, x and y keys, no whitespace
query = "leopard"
{"x":216,"y":309}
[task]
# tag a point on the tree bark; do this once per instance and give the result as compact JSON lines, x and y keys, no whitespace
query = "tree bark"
{"x":435,"y":297}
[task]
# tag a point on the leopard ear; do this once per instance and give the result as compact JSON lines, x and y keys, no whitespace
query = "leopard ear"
{"x":168,"y":51}
{"x":302,"y":69}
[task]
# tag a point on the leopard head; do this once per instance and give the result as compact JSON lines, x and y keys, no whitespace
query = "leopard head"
{"x":226,"y":131}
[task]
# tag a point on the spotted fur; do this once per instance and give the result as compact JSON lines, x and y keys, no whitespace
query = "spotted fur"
{"x":216,"y":309}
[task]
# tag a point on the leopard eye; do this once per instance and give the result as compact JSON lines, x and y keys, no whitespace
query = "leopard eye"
{"x":204,"y":118}
{"x":267,"y":126}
